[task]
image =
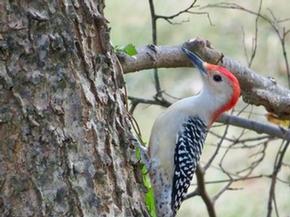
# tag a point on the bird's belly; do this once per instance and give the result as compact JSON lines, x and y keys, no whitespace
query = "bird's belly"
{"x":166,"y":161}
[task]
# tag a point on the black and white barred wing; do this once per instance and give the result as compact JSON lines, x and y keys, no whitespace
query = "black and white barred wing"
{"x":188,"y":149}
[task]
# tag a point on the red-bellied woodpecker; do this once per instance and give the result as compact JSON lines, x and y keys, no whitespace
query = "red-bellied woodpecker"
{"x":178,"y":135}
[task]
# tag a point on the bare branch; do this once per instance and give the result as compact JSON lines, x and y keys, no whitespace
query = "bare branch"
{"x":154,"y":41}
{"x":236,"y":179}
{"x":192,"y":194}
{"x":218,"y":148}
{"x":226,"y":187}
{"x":149,"y":101}
{"x":258,"y":127}
{"x":171,"y":17}
{"x":274,"y":23}
{"x":278,"y":163}
{"x":250,"y":139}
{"x":203,"y":193}
{"x":256,"y":89}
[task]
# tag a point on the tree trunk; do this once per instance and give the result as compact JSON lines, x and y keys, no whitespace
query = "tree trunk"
{"x":64,"y":147}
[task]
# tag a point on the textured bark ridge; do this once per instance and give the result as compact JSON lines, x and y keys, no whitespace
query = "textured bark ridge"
{"x":64,"y":132}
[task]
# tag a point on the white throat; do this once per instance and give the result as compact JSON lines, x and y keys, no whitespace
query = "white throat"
{"x":207,"y":103}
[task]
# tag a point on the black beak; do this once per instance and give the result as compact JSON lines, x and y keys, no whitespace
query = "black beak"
{"x":196,"y":61}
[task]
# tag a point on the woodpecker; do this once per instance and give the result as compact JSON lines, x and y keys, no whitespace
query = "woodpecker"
{"x":178,"y":134}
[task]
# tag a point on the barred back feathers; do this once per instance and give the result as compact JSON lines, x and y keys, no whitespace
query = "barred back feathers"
{"x":188,"y":149}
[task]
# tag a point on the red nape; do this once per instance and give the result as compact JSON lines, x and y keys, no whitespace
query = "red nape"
{"x":236,"y":89}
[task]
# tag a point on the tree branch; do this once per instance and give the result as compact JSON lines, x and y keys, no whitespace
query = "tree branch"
{"x":203,"y":192}
{"x":277,"y":166}
{"x":258,"y":127}
{"x":256,"y":89}
{"x":154,"y":41}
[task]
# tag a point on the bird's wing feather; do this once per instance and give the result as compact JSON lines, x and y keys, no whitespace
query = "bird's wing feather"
{"x":188,"y":149}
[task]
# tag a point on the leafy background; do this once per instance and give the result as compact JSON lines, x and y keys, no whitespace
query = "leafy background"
{"x":231,"y":32}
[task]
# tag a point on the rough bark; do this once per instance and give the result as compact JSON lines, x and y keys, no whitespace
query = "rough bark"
{"x":64,"y":148}
{"x":256,"y":89}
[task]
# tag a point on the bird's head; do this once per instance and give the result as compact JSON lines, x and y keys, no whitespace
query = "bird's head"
{"x":219,"y":83}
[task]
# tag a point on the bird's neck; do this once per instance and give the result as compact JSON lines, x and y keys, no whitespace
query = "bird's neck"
{"x":210,"y":106}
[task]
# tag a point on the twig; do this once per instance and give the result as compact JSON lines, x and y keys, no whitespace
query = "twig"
{"x":187,"y":10}
{"x":278,"y":163}
{"x":173,"y":16}
{"x":192,"y":194}
{"x":203,"y":193}
{"x":256,"y":126}
{"x":267,"y":137}
{"x":216,"y":197}
{"x":255,"y":40}
{"x":154,"y":40}
{"x":217,"y":148}
{"x":236,"y":179}
{"x":271,"y":130}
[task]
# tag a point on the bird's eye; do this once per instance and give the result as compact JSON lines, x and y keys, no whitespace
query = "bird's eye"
{"x":217,"y":78}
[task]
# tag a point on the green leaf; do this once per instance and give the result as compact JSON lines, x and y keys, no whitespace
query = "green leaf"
{"x":149,"y":196}
{"x":146,"y":180}
{"x":150,"y":202}
{"x":138,"y":153}
{"x":129,"y":49}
